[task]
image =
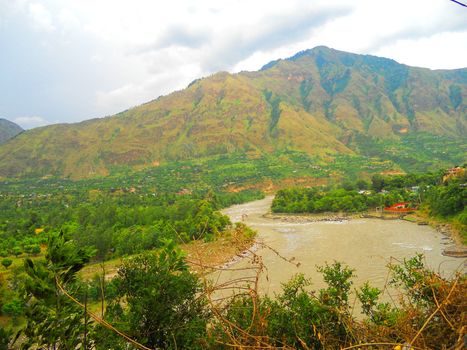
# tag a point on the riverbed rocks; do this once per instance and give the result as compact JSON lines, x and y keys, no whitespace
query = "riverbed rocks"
{"x":307,"y":218}
{"x":455,"y":252}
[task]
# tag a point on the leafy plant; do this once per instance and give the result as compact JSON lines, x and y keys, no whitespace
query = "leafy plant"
{"x":158,"y":302}
{"x":6,"y":262}
{"x":52,"y":318}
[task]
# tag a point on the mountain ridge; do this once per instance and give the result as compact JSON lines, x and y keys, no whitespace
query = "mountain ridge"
{"x":320,"y":101}
{"x":8,"y":130}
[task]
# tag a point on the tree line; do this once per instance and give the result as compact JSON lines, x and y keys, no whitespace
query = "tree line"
{"x":114,"y":223}
{"x":441,"y":198}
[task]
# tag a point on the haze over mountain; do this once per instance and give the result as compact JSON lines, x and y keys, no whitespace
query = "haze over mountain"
{"x":8,"y":130}
{"x":320,"y":101}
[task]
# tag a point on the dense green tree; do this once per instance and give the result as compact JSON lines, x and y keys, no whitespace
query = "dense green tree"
{"x":158,"y":301}
{"x":338,"y":277}
{"x":52,"y":318}
{"x":447,"y":200}
{"x":362,"y":184}
{"x":13,"y":308}
{"x":349,"y":186}
{"x":377,"y":182}
{"x":17,"y":251}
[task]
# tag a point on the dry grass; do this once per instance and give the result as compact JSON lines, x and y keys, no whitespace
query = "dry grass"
{"x":215,"y":253}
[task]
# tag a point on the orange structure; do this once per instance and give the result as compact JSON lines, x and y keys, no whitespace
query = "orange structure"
{"x":403,"y":207}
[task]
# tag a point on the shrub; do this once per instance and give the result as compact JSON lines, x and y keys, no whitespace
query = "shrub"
{"x":6,"y":262}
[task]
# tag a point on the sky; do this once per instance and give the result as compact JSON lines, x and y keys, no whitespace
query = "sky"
{"x":72,"y":60}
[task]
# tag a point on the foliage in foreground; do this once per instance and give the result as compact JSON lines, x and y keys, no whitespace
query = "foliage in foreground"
{"x":52,"y":319}
{"x":160,"y":303}
{"x":430,"y":313}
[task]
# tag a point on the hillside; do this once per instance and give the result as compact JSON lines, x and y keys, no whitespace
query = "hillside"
{"x":8,"y":130}
{"x":321,"y":102}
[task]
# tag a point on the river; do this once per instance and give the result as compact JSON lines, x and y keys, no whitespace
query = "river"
{"x":367,"y":245}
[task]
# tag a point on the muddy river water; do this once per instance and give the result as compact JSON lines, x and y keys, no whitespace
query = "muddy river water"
{"x":367,"y":245}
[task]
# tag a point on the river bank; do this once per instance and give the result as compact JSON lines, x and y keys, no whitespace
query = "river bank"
{"x":302,"y":218}
{"x":201,"y":255}
{"x":456,"y":248}
{"x":366,"y":244}
{"x":454,"y":245}
{"x":227,"y":250}
{"x":220,"y":253}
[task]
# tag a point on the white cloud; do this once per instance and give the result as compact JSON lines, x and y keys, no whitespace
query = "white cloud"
{"x":30,"y":122}
{"x":122,"y":97}
{"x":97,"y":58}
{"x":41,"y":17}
{"x":414,"y":51}
{"x":166,"y":48}
{"x":68,"y":20}
{"x":162,"y":82}
{"x":128,"y":52}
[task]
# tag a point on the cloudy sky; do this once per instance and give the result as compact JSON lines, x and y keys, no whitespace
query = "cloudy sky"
{"x":70,"y":60}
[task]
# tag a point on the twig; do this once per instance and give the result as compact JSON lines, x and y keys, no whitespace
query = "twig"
{"x":101,"y":321}
{"x":373,"y":344}
{"x":434,"y":312}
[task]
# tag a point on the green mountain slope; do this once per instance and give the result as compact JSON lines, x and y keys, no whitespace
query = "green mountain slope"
{"x":321,"y":102}
{"x":8,"y":130}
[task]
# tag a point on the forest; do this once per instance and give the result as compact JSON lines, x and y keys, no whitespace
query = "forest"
{"x":115,"y":223}
{"x":157,"y":299}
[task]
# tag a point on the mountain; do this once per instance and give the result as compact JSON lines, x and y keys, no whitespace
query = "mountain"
{"x":8,"y":130}
{"x":322,"y":102}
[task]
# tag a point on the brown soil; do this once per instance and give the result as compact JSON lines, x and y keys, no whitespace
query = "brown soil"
{"x":269,"y":186}
{"x":201,"y":255}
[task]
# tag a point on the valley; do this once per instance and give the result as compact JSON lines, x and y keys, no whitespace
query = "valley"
{"x":148,"y":227}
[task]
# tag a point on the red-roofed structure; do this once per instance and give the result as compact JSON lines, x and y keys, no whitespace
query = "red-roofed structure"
{"x":403,"y":207}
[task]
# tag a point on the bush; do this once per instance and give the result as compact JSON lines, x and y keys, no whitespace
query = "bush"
{"x":14,"y":308}
{"x":6,"y":262}
{"x":295,"y":318}
{"x":158,"y":300}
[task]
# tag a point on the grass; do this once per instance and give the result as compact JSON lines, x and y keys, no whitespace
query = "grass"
{"x":95,"y":268}
{"x":18,"y":262}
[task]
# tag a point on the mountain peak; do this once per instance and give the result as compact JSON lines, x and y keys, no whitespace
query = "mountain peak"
{"x":300,"y":54}
{"x":311,"y":52}
{"x":321,"y":101}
